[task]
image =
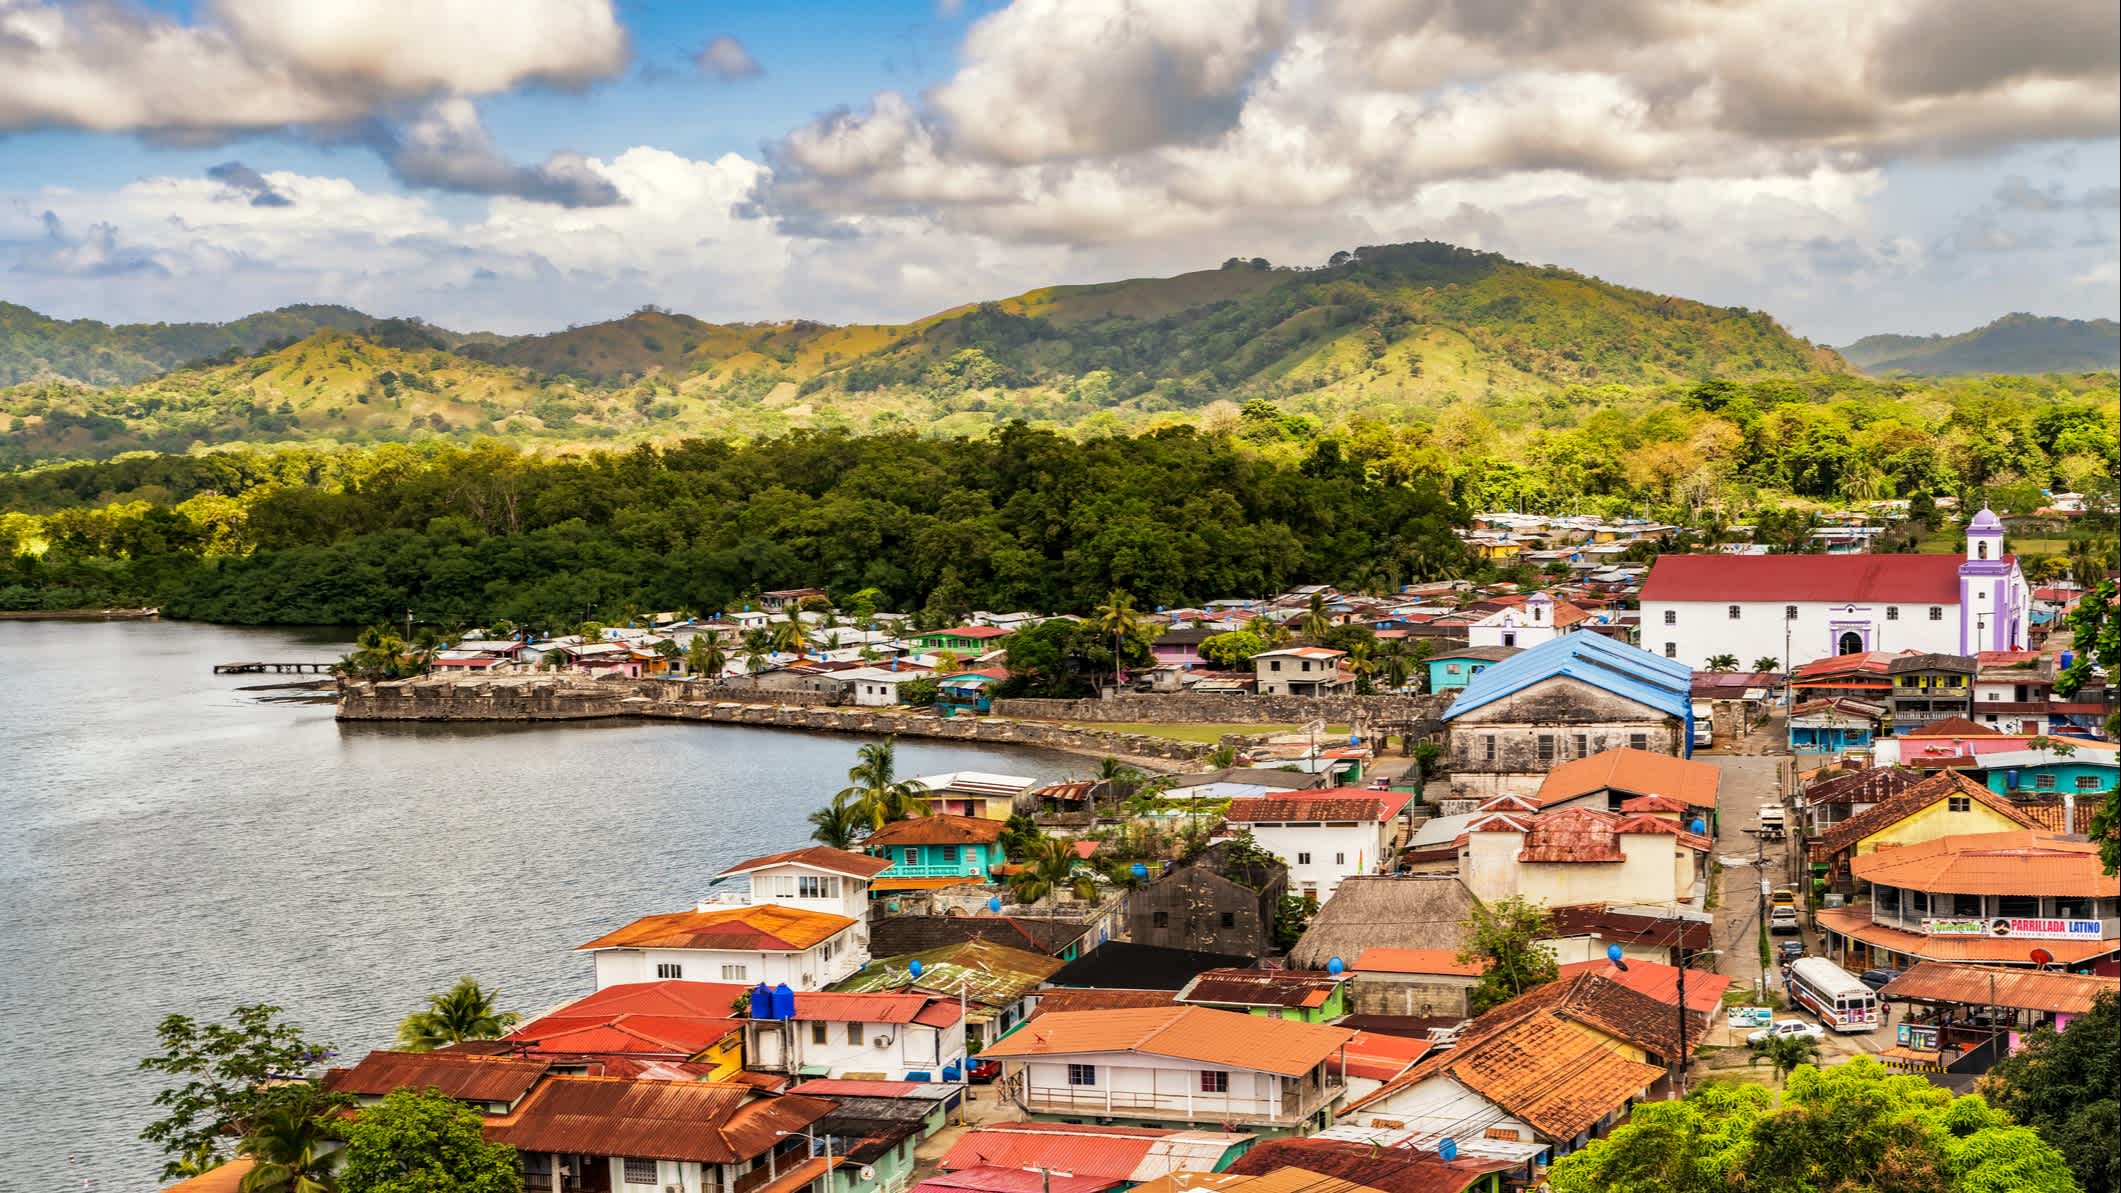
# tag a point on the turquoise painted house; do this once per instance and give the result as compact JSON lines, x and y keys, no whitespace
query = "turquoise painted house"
{"x":972,"y":692}
{"x":1449,"y":672}
{"x":938,"y":846}
{"x":2033,"y":773}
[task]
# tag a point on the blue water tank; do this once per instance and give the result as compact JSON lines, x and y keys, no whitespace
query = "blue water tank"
{"x":2066,"y":660}
{"x":1612,"y":953}
{"x":1138,"y":870}
{"x":1448,"y":1149}
{"x":783,"y":1002}
{"x":1698,"y":825}
{"x":952,"y":1073}
{"x":761,"y":1002}
{"x":2010,"y":778}
{"x":1335,"y":966}
{"x":995,"y":903}
{"x":914,"y":968}
{"x":918,"y":1075}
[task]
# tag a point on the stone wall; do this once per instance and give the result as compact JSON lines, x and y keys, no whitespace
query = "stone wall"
{"x":552,"y":698}
{"x":1199,"y":707}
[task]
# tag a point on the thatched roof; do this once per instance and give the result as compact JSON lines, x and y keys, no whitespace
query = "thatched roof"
{"x":1377,"y":912}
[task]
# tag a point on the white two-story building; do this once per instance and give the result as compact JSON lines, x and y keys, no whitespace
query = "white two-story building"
{"x":816,"y":878}
{"x":1324,"y":835}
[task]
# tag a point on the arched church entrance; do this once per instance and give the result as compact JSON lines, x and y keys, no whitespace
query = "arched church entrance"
{"x":1851,"y":643}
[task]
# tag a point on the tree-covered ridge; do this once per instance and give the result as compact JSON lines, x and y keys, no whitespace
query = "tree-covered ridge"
{"x":2016,"y":343}
{"x":1021,"y":519}
{"x":35,"y":346}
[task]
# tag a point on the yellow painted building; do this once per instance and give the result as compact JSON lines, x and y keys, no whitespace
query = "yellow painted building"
{"x":727,"y":1057}
{"x":1946,"y":816}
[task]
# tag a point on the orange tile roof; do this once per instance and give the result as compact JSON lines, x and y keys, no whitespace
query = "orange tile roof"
{"x":1552,"y":1074}
{"x":1381,"y":1057}
{"x":222,"y":1178}
{"x":1952,"y":727}
{"x":939,"y":828}
{"x":1855,"y":923}
{"x":764,"y":928}
{"x":2014,"y":863}
{"x":1636,"y":772}
{"x":817,"y":857}
{"x":1426,"y":961}
{"x":1281,"y":1046}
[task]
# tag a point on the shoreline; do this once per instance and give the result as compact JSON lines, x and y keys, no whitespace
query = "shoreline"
{"x":82,"y":615}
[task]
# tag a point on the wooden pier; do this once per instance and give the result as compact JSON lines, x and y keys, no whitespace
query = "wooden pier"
{"x":254,"y":668}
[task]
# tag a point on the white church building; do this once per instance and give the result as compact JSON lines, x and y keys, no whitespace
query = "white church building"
{"x":1796,"y":608}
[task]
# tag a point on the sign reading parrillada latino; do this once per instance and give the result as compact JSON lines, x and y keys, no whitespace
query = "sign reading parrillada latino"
{"x":2026,"y":929}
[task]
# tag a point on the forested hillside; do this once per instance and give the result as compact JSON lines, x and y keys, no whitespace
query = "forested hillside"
{"x":1401,"y":331}
{"x":2013,"y":344}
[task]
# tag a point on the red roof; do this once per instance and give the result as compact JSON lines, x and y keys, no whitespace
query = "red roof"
{"x":968,"y":631}
{"x":876,"y":1008}
{"x":1013,"y":1180}
{"x":1704,"y":990}
{"x":1331,"y":803}
{"x":1108,"y":1153}
{"x":465,"y":1076}
{"x":838,"y":1087}
{"x":817,"y":857}
{"x":709,"y":1121}
{"x":1381,"y":1057}
{"x":669,"y":1019}
{"x":1905,"y":579}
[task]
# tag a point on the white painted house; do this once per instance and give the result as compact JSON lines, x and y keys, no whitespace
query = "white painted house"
{"x":878,"y":687}
{"x":1300,"y":671}
{"x":770,"y":943}
{"x":1173,"y":1066}
{"x":873,"y":1037}
{"x":1538,"y":620}
{"x":1582,"y":855}
{"x":815,"y":878}
{"x":1797,"y":608}
{"x":1324,"y":835}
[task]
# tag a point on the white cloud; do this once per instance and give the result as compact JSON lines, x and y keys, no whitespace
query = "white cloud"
{"x":725,"y":58}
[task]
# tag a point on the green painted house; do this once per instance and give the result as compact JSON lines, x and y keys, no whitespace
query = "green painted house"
{"x":939,"y":845}
{"x":1304,"y":995}
{"x":963,"y":640}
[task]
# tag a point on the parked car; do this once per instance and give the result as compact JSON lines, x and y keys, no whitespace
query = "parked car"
{"x":1787,"y":951}
{"x":1877,"y":978}
{"x":1782,"y":920}
{"x":981,"y":1072}
{"x":1788,"y":1027}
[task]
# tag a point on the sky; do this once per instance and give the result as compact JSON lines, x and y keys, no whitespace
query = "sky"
{"x":1915,"y":166}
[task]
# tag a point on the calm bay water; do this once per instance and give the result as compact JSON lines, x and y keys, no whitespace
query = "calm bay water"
{"x":173,"y":845}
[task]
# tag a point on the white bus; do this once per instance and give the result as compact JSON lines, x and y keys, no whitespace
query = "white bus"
{"x":1833,"y":993}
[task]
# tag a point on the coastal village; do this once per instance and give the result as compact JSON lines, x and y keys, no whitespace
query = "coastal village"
{"x":1412,"y":892}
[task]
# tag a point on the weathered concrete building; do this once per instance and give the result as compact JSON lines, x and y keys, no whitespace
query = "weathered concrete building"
{"x":1213,"y":903}
{"x":1576,"y":696}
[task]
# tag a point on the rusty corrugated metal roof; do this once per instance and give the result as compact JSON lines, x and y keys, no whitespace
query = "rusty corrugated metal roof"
{"x":465,"y":1076}
{"x":710,"y":1122}
{"x":1301,"y":988}
{"x":1992,"y":985}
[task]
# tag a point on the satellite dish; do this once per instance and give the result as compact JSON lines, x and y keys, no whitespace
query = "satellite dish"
{"x":2043,"y":957}
{"x":866,"y":1172}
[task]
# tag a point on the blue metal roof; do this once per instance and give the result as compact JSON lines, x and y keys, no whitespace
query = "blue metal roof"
{"x":1626,"y":671}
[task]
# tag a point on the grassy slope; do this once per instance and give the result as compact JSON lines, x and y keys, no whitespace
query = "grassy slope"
{"x":2020,"y":343}
{"x":33,"y":346}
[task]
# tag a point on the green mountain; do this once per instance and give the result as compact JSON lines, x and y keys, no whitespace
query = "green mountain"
{"x":36,"y":347}
{"x":1393,"y":332}
{"x":2019,"y":343}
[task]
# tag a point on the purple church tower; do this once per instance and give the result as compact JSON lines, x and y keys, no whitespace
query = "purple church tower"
{"x":1993,"y":600}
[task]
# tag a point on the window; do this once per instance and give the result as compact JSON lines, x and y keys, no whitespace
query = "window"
{"x":1789,"y":613}
{"x":666,"y":970}
{"x":1160,"y":919}
{"x":1303,"y":859}
{"x":1959,"y":803}
{"x":1671,"y":650}
{"x":854,"y":1033}
{"x":1892,"y":613}
{"x":1304,"y":665}
{"x":640,"y":1172}
{"x":2087,"y":782}
{"x":1452,"y":669}
{"x":1733,"y":612}
{"x":736,"y":973}
{"x":1229,"y":919}
{"x":1508,"y":638}
{"x":949,"y":853}
{"x":1274,"y":664}
{"x":1340,"y":859}
{"x":1082,"y":1074}
{"x":1887,"y":898}
{"x":1918,"y":902}
{"x":2018,"y":905}
{"x":1546,"y":747}
{"x":1638,"y":741}
{"x":2044,"y":783}
{"x":1936,"y":613}
{"x":1583,"y":744}
{"x":1214,"y":1081}
{"x":816,"y":886}
{"x":1489,"y":740}
{"x":913,"y":856}
{"x":817,"y":1033}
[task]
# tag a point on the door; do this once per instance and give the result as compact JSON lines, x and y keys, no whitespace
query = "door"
{"x":1851,"y":643}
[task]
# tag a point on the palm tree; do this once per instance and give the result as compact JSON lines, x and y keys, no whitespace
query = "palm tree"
{"x":1118,"y":617}
{"x":1222,"y":757}
{"x":1767,"y":663}
{"x":1396,"y":666}
{"x":463,"y":1012}
{"x":790,"y":634}
{"x":832,"y":640}
{"x":1723,"y":662}
{"x":707,"y":656}
{"x":1362,"y":666}
{"x":874,"y":794}
{"x":1119,"y":778}
{"x":552,"y":660}
{"x":1316,"y":620}
{"x":758,"y":650}
{"x":837,"y":823}
{"x":287,"y":1141}
{"x":1785,"y":1053}
{"x":378,"y":653}
{"x":1049,"y":865}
